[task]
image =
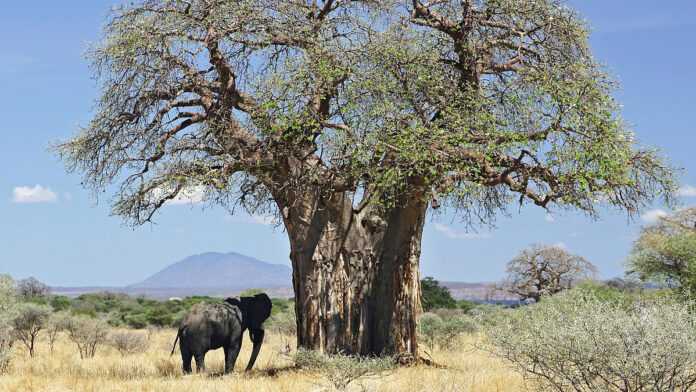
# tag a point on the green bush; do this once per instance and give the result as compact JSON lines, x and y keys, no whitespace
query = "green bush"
{"x":578,"y":342}
{"x":59,"y":303}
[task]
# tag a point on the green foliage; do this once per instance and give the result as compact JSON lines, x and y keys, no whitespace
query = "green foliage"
{"x":578,"y":342}
{"x":59,"y":302}
{"x":444,"y":327}
{"x":434,"y":296}
{"x":465,"y":305}
{"x":533,"y":121}
{"x":665,"y":252}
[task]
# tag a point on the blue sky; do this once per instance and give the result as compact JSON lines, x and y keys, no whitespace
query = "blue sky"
{"x":53,"y":229}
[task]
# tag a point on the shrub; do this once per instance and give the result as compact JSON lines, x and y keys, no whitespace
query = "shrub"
{"x":341,"y":370}
{"x":429,"y":326}
{"x":8,"y":307}
{"x":284,"y":323}
{"x":60,"y":302}
{"x":56,"y":323}
{"x":28,"y":322}
{"x":452,"y":329}
{"x":87,"y":334}
{"x":444,"y":327}
{"x":576,"y":342}
{"x":128,"y":343}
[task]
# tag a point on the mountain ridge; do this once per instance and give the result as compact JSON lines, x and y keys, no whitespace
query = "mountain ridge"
{"x":211,"y":270}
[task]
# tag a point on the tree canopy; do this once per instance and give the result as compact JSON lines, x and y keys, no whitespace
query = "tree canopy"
{"x":472,"y":102}
{"x":434,"y":296}
{"x":665,"y":252}
{"x":545,"y":270}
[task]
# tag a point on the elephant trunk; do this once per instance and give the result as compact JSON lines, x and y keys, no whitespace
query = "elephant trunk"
{"x":257,"y":338}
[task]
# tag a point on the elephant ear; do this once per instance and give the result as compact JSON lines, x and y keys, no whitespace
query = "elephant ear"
{"x":257,"y":309}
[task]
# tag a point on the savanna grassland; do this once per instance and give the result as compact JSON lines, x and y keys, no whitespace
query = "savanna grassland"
{"x":466,"y":369}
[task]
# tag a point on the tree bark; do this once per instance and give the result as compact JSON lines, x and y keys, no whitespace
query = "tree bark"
{"x":355,"y":274}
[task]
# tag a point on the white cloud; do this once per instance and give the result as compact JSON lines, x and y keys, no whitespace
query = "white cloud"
{"x":459,"y":235}
{"x":687,"y":191}
{"x":549,"y":218}
{"x":36,"y":194}
{"x":653,"y":216}
{"x":192,"y":195}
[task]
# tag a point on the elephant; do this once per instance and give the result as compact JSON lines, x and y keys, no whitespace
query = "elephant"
{"x":209,"y":326}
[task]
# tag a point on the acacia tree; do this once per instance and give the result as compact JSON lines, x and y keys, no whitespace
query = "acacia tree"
{"x":348,"y":120}
{"x":665,"y":252}
{"x":545,"y":270}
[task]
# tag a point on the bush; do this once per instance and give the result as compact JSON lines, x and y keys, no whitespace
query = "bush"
{"x":128,"y":343}
{"x":87,"y":334}
{"x":283,"y":323}
{"x":576,"y":342}
{"x":341,"y":370}
{"x":57,"y":322}
{"x":443,"y":328}
{"x":8,"y":307}
{"x":429,"y":326}
{"x":28,"y":322}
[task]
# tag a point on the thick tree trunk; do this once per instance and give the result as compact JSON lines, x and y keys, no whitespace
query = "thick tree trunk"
{"x":355,"y":275}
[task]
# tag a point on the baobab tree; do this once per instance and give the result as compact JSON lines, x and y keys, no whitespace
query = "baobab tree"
{"x":349,"y":120}
{"x":544,"y":270}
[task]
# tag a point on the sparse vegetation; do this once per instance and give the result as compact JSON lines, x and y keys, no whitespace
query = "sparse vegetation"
{"x":28,"y":322}
{"x":128,"y":342}
{"x":342,"y":370}
{"x":577,"y":342}
{"x":87,"y":334}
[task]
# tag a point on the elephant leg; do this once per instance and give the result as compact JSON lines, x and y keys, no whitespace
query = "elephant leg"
{"x":200,"y":362}
{"x":231,"y":354}
{"x":186,"y":358}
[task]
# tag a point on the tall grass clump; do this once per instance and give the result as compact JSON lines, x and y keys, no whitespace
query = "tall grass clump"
{"x":340,"y":370}
{"x":577,"y":342}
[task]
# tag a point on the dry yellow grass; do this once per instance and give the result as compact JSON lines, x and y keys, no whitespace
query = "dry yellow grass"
{"x":154,"y":370}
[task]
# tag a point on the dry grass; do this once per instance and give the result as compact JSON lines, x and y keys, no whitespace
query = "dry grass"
{"x":154,"y":370}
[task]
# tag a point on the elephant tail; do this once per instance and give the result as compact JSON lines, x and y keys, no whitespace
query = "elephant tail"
{"x":178,"y":335}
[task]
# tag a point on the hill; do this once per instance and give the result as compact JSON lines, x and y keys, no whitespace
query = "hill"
{"x":212,"y":270}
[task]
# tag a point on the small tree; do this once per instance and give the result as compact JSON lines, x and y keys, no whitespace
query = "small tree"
{"x":665,"y":252}
{"x":435,"y":296}
{"x":32,"y":288}
{"x":87,"y":334}
{"x":57,"y":323}
{"x":30,"y":320}
{"x":545,"y":270}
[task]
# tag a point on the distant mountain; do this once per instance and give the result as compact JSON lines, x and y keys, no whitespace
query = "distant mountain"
{"x":224,"y":271}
